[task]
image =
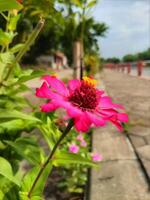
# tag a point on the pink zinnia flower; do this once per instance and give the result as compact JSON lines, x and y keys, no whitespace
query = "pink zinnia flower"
{"x":73,"y":148}
{"x":96,"y":157}
{"x":84,"y":103}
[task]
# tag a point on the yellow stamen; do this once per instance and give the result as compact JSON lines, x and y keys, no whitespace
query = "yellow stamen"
{"x":90,"y":81}
{"x":54,"y":75}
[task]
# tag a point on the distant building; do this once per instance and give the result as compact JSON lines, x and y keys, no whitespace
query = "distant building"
{"x":60,"y":60}
{"x":56,"y":60}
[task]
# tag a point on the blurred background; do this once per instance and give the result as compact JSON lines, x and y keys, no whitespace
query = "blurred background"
{"x":74,"y":37}
{"x":112,"y":32}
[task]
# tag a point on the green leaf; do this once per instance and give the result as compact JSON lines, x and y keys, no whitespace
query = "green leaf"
{"x":50,"y":133}
{"x":6,"y":171}
{"x":9,"y":189}
{"x":29,"y":179}
{"x":24,"y":196}
{"x":91,"y":4}
{"x":2,"y":195}
{"x":28,"y":148}
{"x":16,"y":48}
{"x":14,"y":114}
{"x":14,"y":126}
{"x":77,"y":3}
{"x":7,"y":58}
{"x":6,"y":38}
{"x":2,"y":67}
{"x":9,"y":5}
{"x":32,"y":75}
{"x":7,"y":101}
{"x":2,"y":146}
{"x":13,"y":22}
{"x":65,"y":158}
{"x":21,"y":88}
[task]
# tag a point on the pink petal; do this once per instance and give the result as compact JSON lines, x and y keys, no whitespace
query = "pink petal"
{"x":43,"y":91}
{"x":118,"y":125}
{"x":100,"y":92}
{"x":106,"y":102}
{"x":48,"y":107}
{"x":107,"y":113}
{"x":73,"y":111}
{"x":118,"y":106}
{"x":123,"y":117}
{"x":73,"y":84}
{"x":57,"y":85}
{"x":97,"y":120}
{"x":96,"y":157}
{"x":82,"y":123}
{"x":73,"y":148}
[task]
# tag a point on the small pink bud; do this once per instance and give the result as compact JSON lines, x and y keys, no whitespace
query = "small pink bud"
{"x":73,"y":148}
{"x":80,"y":138}
{"x":83,"y":143}
{"x":96,"y":157}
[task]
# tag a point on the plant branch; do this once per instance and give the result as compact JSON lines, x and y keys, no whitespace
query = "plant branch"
{"x":5,"y":17}
{"x":26,"y":46}
{"x":82,"y":41}
{"x":68,"y":128}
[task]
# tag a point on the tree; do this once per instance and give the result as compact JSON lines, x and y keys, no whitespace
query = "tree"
{"x":79,"y":26}
{"x":112,"y":60}
{"x":63,"y":26}
{"x":145,"y":55}
{"x":130,"y":58}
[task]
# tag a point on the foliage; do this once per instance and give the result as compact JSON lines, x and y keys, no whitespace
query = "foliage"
{"x":13,"y":119}
{"x":112,"y":60}
{"x":92,"y":63}
{"x":130,"y":58}
{"x":83,"y":27}
{"x":19,"y":119}
{"x":61,"y":16}
{"x":75,"y":175}
{"x":145,"y":55}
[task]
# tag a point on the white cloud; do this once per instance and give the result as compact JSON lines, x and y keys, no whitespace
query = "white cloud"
{"x":129,"y":23}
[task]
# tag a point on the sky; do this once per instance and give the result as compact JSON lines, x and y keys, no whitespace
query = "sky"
{"x":129,"y":26}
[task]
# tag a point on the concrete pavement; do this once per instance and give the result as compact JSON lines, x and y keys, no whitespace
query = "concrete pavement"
{"x":125,"y":170}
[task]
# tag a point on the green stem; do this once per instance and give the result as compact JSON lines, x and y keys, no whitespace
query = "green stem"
{"x":5,"y":17}
{"x":82,"y":41}
{"x":8,"y":19}
{"x":27,"y":45}
{"x":7,"y":29}
{"x":30,"y":40}
{"x":7,"y":22}
{"x":68,"y":128}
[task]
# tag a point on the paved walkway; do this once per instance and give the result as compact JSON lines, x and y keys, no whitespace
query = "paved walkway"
{"x":125,"y":170}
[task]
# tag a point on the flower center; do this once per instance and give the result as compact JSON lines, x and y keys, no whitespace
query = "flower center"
{"x":85,"y":97}
{"x":90,"y":81}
